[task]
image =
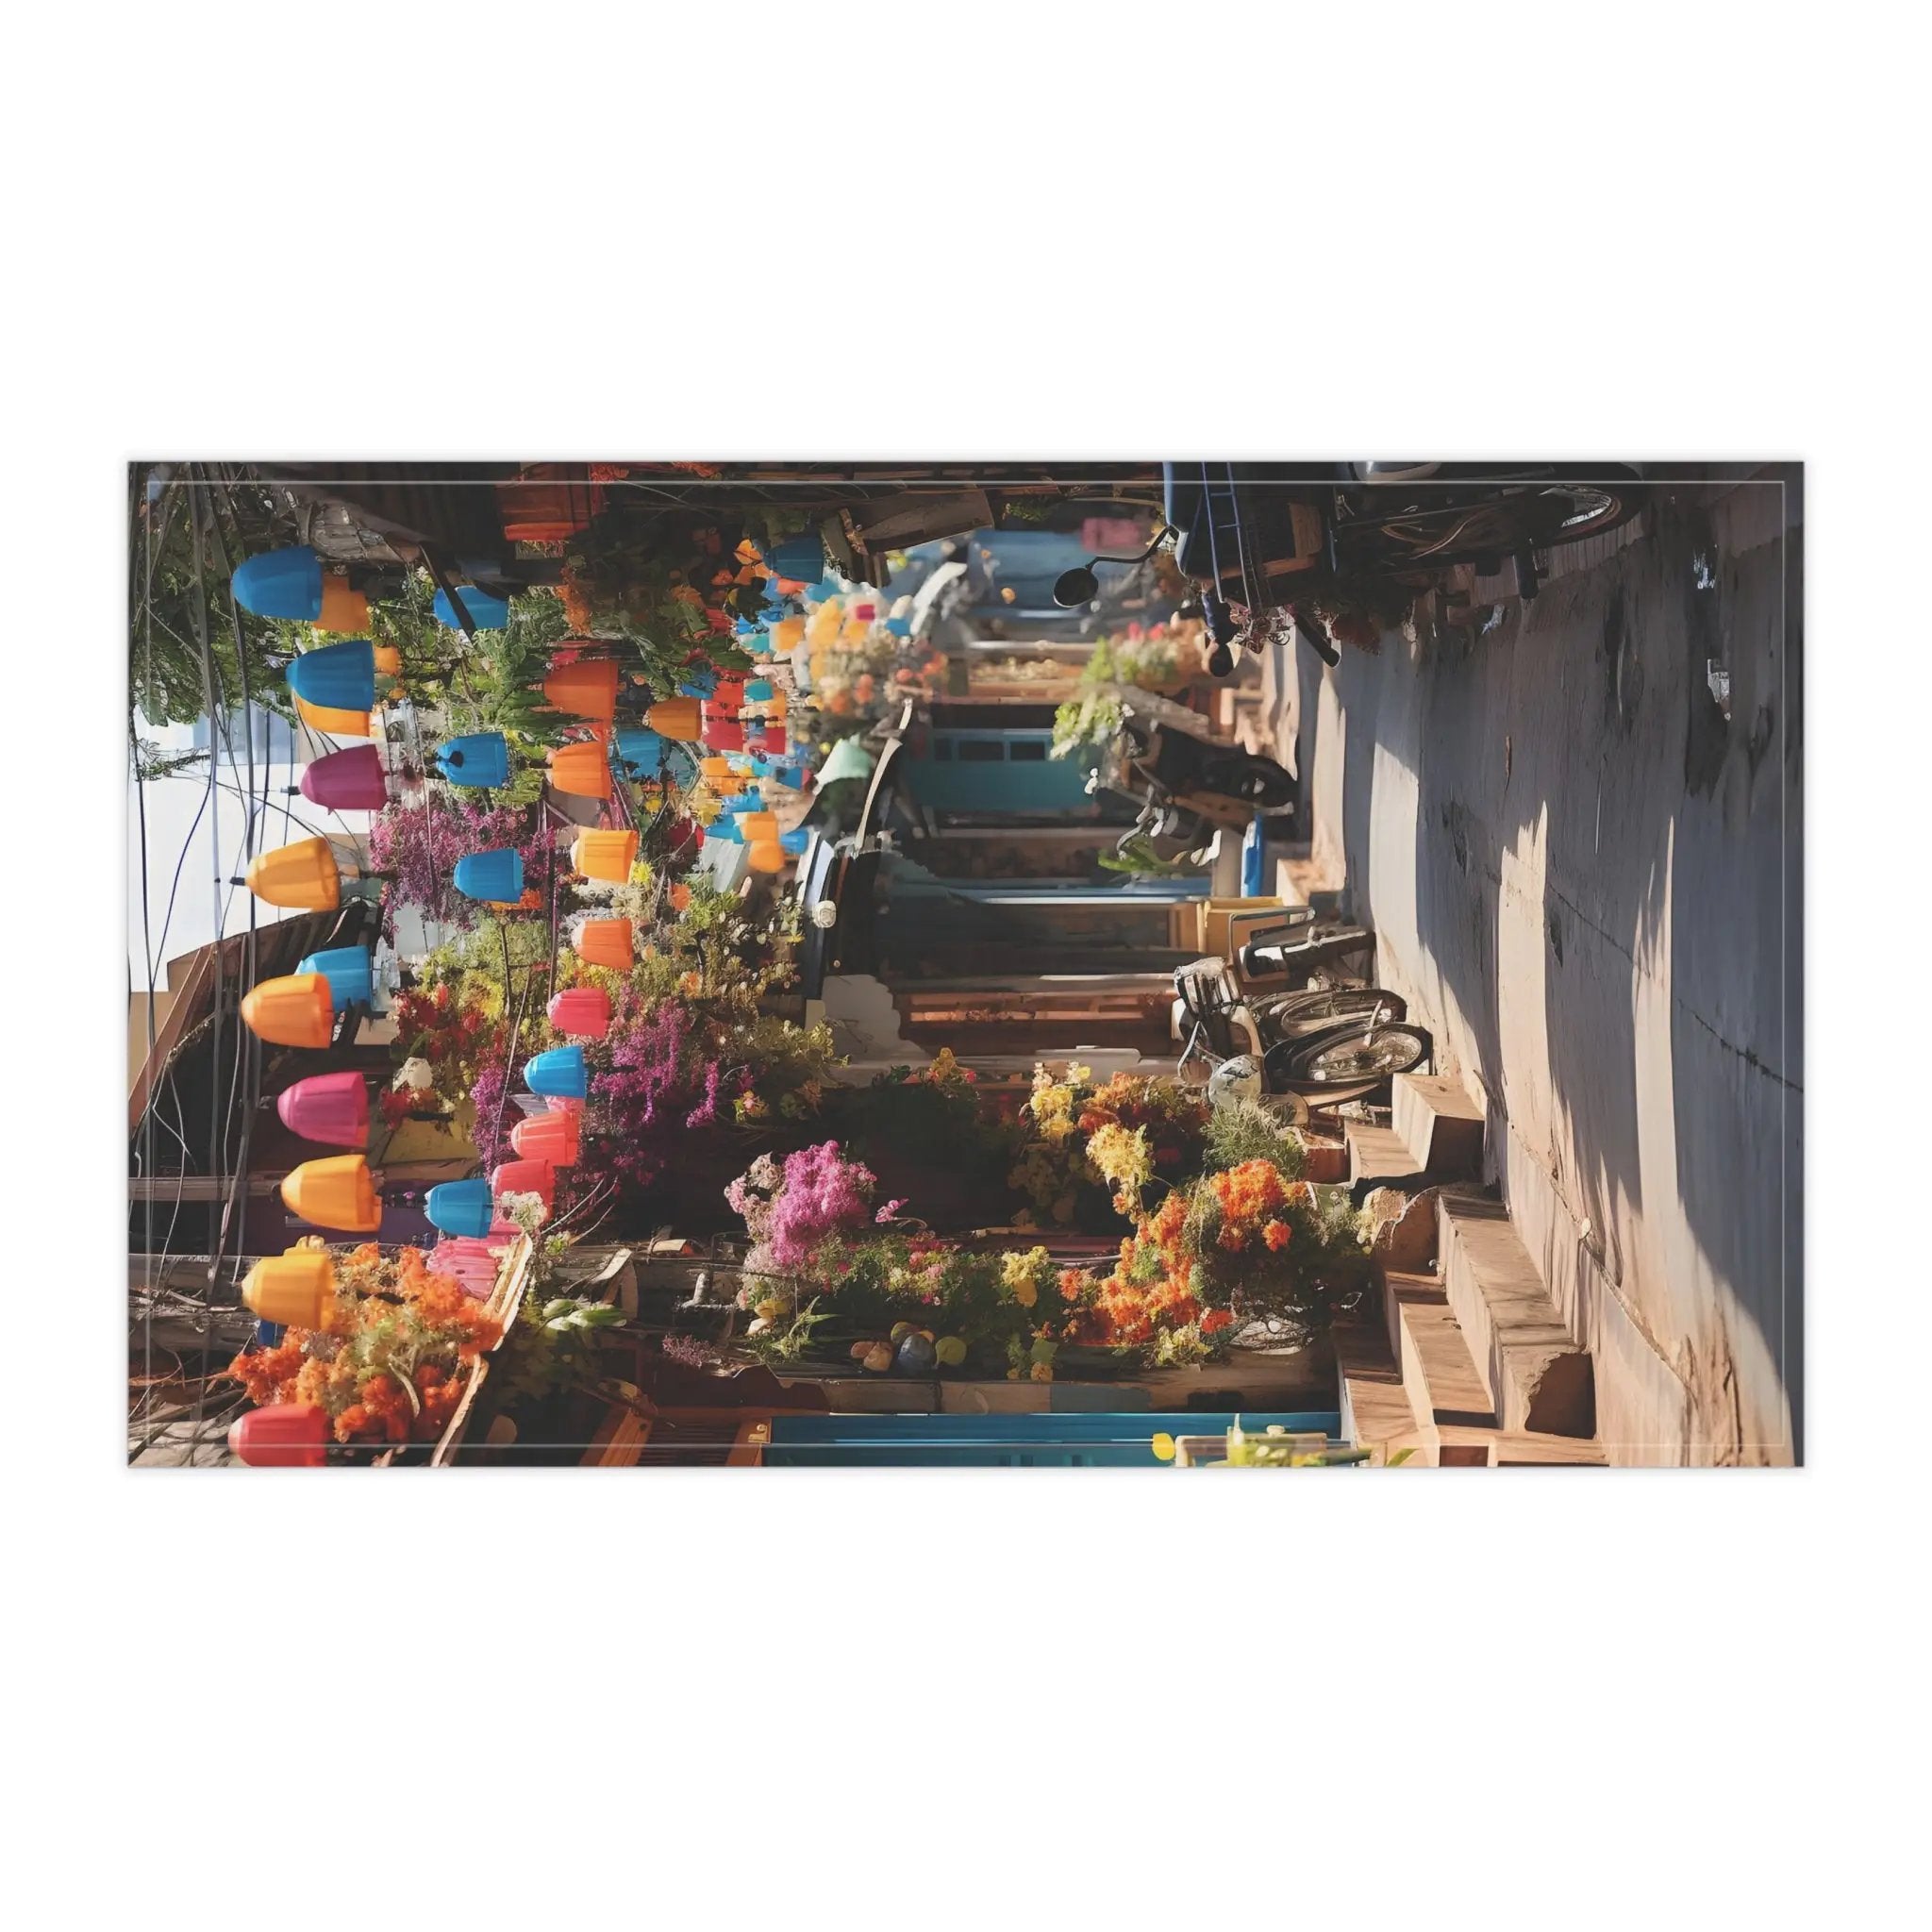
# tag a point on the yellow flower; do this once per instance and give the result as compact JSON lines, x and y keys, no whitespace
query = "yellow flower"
{"x":1051,"y":1103}
{"x":1078,"y":1075}
{"x":690,"y":985}
{"x":1057,"y":1128}
{"x":1043,"y":1371}
{"x":1122,"y":1156}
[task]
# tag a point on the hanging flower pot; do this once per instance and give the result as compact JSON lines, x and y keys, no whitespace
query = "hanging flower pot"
{"x":349,"y":974}
{"x":461,"y":1207}
{"x":583,"y":1010}
{"x":280,"y":583}
{"x":559,"y":1071}
{"x":340,"y":678}
{"x":332,"y":723}
{"x":580,"y":770}
{"x":344,"y":611}
{"x":337,"y":1192}
{"x":606,"y":942}
{"x":680,"y":718}
{"x":641,"y":752}
{"x":285,"y":1435}
{"x":526,"y":1177}
{"x":302,"y":877}
{"x":551,"y":1137}
{"x":479,"y":759}
{"x":293,"y":1288}
{"x":495,"y":878}
{"x":329,"y":1107}
{"x":294,"y":1010}
{"x":605,"y":855}
{"x":485,"y":612}
{"x":587,"y":688}
{"x":348,"y":780}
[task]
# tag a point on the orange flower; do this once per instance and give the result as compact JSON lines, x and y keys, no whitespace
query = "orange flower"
{"x":1232,"y":1237}
{"x":1215,"y":1319}
{"x":1276,"y":1235}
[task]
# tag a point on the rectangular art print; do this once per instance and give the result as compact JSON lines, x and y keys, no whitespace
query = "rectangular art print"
{"x":1157,"y":965}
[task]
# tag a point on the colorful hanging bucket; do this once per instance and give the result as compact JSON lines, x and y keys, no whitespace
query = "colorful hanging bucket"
{"x":526,"y":1177}
{"x":329,"y":1107}
{"x":485,"y":612}
{"x":641,"y":752}
{"x":302,"y":877}
{"x":293,"y":1288}
{"x":337,"y":677}
{"x":344,"y":611}
{"x":333,"y":723}
{"x":496,"y":877}
{"x":580,"y":770}
{"x":280,"y":583}
{"x":294,"y":1010}
{"x":285,"y":1435}
{"x":479,"y":759}
{"x":560,"y":1070}
{"x":604,"y":856}
{"x":582,"y":1011}
{"x":461,"y":1207}
{"x":338,"y":1191}
{"x":607,"y":942}
{"x":551,"y":1137}
{"x":587,"y":688}
{"x":348,"y":970}
{"x":348,"y":780}
{"x":679,"y":718}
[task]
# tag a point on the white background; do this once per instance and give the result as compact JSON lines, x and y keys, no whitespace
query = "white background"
{"x":913,"y":1700}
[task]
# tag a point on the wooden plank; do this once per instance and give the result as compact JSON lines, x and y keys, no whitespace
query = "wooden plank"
{"x":620,"y":1440}
{"x":747,"y":1449}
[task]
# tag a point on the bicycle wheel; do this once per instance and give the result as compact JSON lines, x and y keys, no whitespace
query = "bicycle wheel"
{"x":1379,"y":1053}
{"x":1331,"y":1003}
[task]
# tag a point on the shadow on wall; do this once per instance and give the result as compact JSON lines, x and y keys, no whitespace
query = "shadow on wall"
{"x":1585,"y":724}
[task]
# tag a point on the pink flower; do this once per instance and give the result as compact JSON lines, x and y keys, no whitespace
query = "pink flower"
{"x":889,"y":1212}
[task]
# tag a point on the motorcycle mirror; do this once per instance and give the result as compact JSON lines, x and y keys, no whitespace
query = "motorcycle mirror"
{"x":1075,"y":587}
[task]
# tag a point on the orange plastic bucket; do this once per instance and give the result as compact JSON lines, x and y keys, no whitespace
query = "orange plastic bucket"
{"x":302,"y":877}
{"x":336,"y":1193}
{"x":581,"y":770}
{"x":606,"y":855}
{"x":294,"y":1010}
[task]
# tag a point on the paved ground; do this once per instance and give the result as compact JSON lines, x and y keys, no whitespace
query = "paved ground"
{"x":1587,"y":882}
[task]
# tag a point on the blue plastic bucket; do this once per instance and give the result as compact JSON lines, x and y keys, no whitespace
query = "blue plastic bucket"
{"x":496,"y":876}
{"x":485,"y":612}
{"x":281,"y":583}
{"x":478,"y":759}
{"x":461,"y":1207}
{"x":347,"y":971}
{"x":336,"y":678}
{"x":559,"y":1074}
{"x":641,"y":750}
{"x":800,"y":558}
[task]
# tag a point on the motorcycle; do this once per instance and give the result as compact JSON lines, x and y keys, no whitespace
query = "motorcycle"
{"x":1343,"y":548}
{"x":1188,"y":787}
{"x":1322,"y":1045}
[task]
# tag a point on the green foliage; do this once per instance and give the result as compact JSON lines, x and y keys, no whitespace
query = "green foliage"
{"x":1085,"y":727}
{"x":789,"y":1338}
{"x":1139,"y":858}
{"x":1246,"y":1130}
{"x":165,"y":682}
